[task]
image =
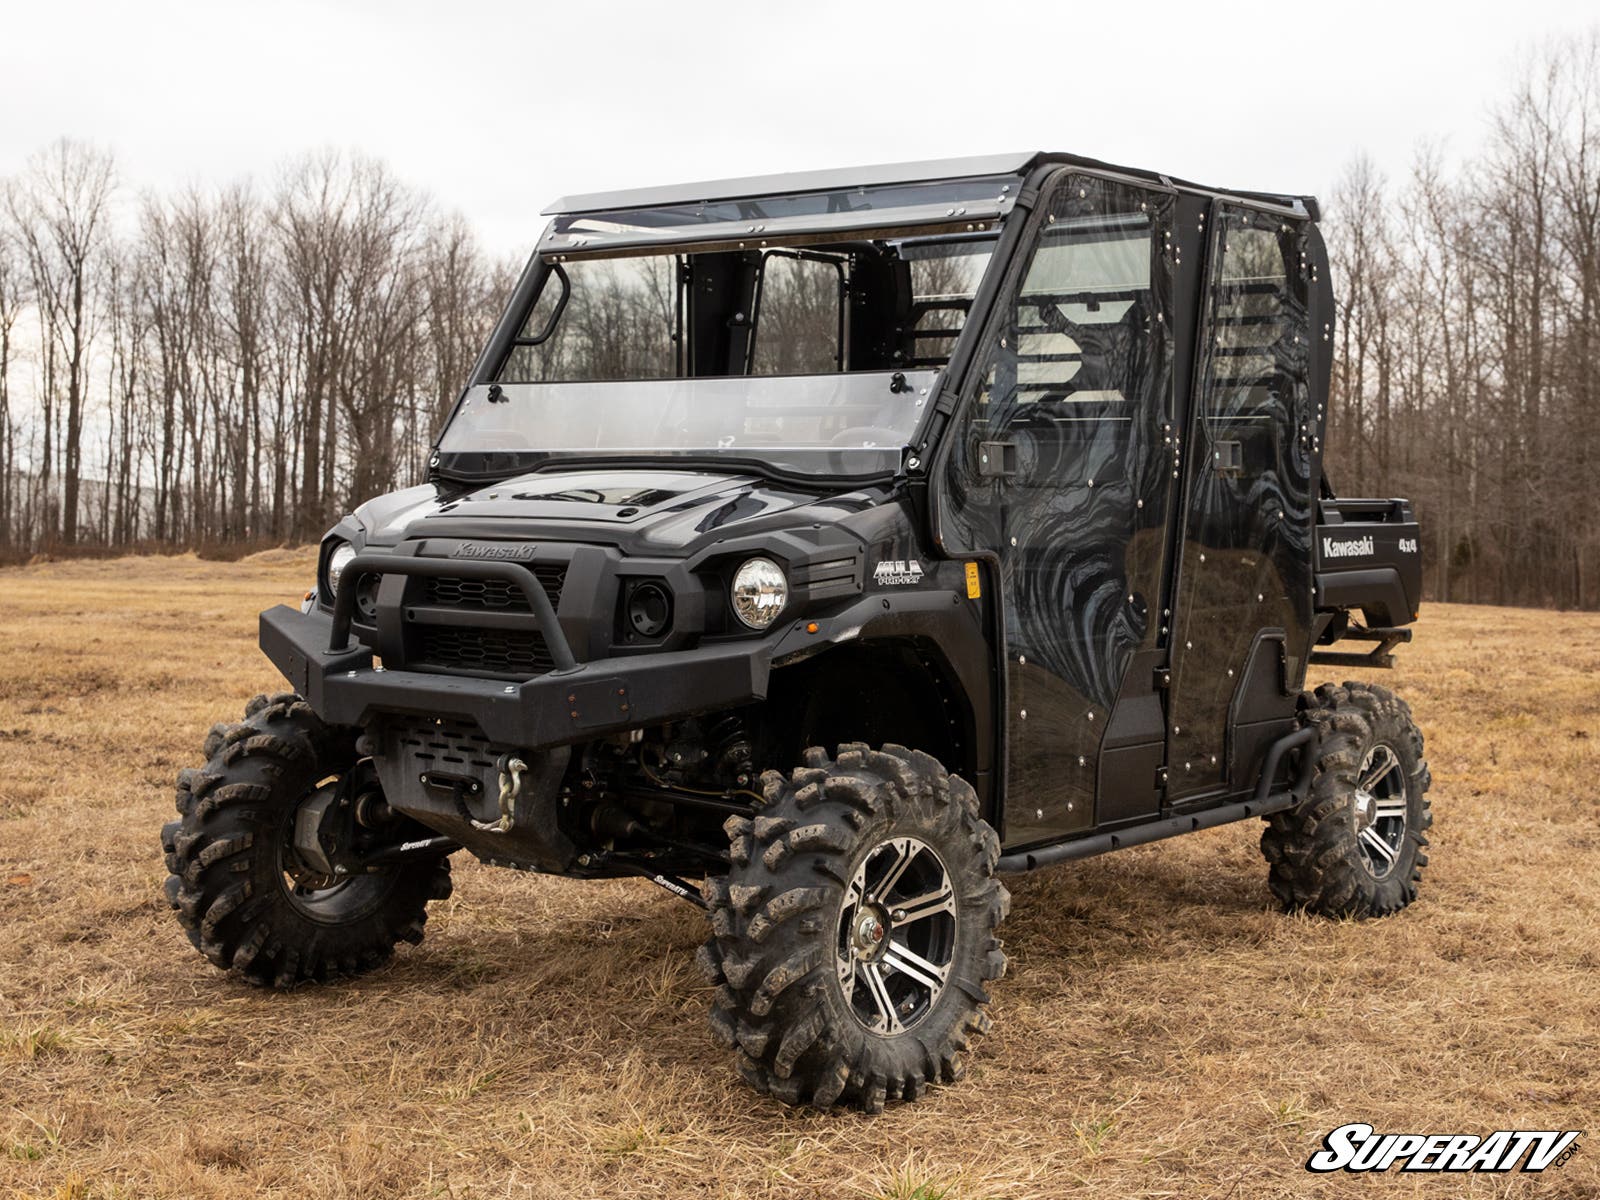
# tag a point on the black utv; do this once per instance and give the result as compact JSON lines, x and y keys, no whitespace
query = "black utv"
{"x":842,"y":541}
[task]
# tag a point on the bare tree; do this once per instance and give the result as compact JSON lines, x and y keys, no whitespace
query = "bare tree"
{"x":241,"y":365}
{"x":1361,"y":255}
{"x":61,"y":213}
{"x":13,"y":296}
{"x":1467,"y":366}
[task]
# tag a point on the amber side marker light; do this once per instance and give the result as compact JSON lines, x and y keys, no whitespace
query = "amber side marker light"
{"x":812,"y":627}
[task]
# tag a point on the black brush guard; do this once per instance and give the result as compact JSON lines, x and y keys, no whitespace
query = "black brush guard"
{"x":418,"y":716}
{"x":570,"y":703}
{"x":544,"y":613}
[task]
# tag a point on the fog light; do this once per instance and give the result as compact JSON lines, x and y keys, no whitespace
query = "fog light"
{"x":649,"y":609}
{"x":367,"y":596}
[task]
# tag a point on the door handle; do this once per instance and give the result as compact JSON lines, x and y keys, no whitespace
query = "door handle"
{"x":997,"y":460}
{"x":1227,"y":458}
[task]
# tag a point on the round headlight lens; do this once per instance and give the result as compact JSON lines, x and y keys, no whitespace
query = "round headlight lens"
{"x":337,"y":562}
{"x":759,"y":592}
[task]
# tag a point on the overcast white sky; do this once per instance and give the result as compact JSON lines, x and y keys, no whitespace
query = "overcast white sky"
{"x":497,"y":108}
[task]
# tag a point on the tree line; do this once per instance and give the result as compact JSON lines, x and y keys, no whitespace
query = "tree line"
{"x":1468,"y":361}
{"x":236,"y":367}
{"x":232,"y":367}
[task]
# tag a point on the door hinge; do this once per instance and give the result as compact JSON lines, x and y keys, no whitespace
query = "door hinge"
{"x":1163,"y":679}
{"x":1161,"y":779}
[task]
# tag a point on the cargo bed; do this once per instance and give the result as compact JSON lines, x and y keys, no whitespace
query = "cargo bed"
{"x":1368,"y":578}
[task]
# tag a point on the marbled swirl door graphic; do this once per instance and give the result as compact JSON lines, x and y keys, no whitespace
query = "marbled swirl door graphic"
{"x":1075,"y":397}
{"x":1246,"y":554}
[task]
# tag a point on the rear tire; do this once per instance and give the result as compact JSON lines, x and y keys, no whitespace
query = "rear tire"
{"x":1357,"y":846}
{"x":854,"y":934}
{"x":237,"y":885}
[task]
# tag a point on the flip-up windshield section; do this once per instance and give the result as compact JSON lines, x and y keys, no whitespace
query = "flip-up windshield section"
{"x":866,"y":411}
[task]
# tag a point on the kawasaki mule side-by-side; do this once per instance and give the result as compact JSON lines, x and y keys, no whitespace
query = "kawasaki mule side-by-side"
{"x":841,"y":541}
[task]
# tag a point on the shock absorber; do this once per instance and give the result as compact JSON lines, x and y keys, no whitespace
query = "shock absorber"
{"x":729,"y":749}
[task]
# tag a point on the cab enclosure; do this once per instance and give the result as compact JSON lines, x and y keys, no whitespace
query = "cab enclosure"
{"x":1015,"y":461}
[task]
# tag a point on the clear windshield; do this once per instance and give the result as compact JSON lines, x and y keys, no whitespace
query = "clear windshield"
{"x":804,"y":346}
{"x":799,"y":310}
{"x":864,"y":411}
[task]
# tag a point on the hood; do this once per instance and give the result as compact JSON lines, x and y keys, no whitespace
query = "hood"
{"x":642,"y":510}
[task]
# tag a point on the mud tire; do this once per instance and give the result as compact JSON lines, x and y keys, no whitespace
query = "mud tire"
{"x":227,"y":883}
{"x":776,"y":924}
{"x":1315,"y":858}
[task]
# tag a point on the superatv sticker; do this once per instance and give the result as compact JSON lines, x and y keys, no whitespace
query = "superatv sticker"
{"x":1358,"y":1147}
{"x":894,"y":572}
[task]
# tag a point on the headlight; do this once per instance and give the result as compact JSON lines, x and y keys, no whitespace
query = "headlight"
{"x":759,"y":592}
{"x":337,"y":562}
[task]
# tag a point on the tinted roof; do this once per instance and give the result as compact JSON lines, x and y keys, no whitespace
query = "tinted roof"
{"x":890,"y":173}
{"x":797,"y":181}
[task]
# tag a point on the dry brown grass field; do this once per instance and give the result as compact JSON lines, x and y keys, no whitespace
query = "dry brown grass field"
{"x":1164,"y":1031}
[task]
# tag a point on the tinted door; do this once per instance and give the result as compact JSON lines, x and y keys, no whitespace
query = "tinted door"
{"x":1061,"y":466}
{"x":1245,"y":572}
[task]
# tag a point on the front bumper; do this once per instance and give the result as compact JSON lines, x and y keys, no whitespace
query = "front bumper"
{"x":553,"y":709}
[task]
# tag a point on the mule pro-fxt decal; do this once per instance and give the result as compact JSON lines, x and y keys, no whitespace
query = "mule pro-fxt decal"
{"x":897,"y":572}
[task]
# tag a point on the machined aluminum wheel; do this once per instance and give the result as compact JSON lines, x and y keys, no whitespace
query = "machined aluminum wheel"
{"x":1379,"y":810}
{"x":896,"y":935}
{"x":853,"y":937}
{"x":1357,"y":844}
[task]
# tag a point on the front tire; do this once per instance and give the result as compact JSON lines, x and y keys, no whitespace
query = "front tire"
{"x":1357,"y":846}
{"x":237,"y":885}
{"x":854,"y":933}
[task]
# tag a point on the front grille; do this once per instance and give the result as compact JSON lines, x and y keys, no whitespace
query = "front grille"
{"x":494,"y":595}
{"x":509,"y":652}
{"x":441,"y":744}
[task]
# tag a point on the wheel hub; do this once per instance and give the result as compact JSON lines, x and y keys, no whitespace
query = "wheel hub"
{"x":306,"y":886}
{"x":870,"y":937}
